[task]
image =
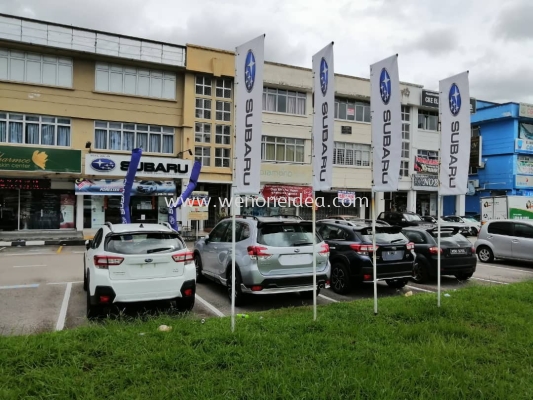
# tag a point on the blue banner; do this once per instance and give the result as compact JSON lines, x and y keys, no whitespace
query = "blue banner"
{"x":128,"y":184}
{"x":193,"y":181}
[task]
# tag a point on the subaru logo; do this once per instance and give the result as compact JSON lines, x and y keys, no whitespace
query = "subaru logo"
{"x":454,"y":98}
{"x":171,"y":220}
{"x":103,"y":164}
{"x":296,"y":250}
{"x":385,"y":86}
{"x":323,"y":76}
{"x":249,"y":71}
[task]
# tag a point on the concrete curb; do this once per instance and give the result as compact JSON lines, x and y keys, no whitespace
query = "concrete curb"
{"x":22,"y":243}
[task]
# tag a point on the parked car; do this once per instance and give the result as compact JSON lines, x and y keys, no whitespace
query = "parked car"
{"x":127,"y":263}
{"x":507,"y":239}
{"x":458,"y":256}
{"x":404,"y":219}
{"x":463,"y":228}
{"x":272,"y":255}
{"x":351,"y":254}
{"x":473,"y":225}
{"x":430,"y":219}
{"x":352,"y":218}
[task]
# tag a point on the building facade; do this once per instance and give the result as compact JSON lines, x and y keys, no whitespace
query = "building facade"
{"x":502,"y":153}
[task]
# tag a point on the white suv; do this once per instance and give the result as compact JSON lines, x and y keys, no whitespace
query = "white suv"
{"x":127,"y":263}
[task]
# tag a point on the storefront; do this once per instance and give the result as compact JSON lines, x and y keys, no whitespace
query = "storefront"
{"x":156,"y":184}
{"x":37,"y":203}
{"x":425,"y":182}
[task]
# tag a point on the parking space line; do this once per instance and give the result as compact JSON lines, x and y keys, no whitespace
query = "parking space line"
{"x":29,"y":266}
{"x":63,"y":312}
{"x":63,"y":283}
{"x":489,"y":280}
{"x":507,"y":269}
{"x":78,"y":252}
{"x":211,"y":307}
{"x":417,"y":288}
{"x":328,"y":298}
{"x":59,"y":250}
{"x":33,"y":285}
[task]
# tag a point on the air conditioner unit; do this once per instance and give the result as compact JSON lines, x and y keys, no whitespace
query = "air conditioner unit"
{"x":482,"y":164}
{"x":474,"y":182}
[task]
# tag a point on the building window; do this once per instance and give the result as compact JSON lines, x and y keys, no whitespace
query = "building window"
{"x":19,"y":66}
{"x":429,"y":154}
{"x":406,"y":141}
{"x":202,"y":133}
{"x":126,"y":136}
{"x":203,"y":85}
{"x":203,"y":154}
{"x":203,"y":108}
{"x":428,"y":120}
{"x":284,"y":101}
{"x":135,"y":81}
{"x":222,"y":134}
{"x":351,"y":154}
{"x":222,"y":157}
{"x":223,"y":112}
{"x":475,"y":131}
{"x":281,"y":149}
{"x":34,"y":129}
{"x":351,"y":110}
{"x":223,"y":89}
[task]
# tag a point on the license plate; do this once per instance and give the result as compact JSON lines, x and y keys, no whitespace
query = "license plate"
{"x":389,"y":255}
{"x":458,"y":251}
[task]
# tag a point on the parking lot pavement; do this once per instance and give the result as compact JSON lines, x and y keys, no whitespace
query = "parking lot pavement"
{"x":41,"y":290}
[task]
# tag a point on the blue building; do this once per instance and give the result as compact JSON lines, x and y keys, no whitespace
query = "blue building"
{"x":504,"y":166}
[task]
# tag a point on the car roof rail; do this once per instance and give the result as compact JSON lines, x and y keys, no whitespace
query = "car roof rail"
{"x":109,"y":225}
{"x":166,"y":224}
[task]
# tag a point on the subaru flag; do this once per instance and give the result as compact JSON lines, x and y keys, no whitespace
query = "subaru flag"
{"x":193,"y":181}
{"x":128,"y":184}
{"x":454,"y":109}
{"x":249,"y":62}
{"x":386,"y":112}
{"x":324,"y":104}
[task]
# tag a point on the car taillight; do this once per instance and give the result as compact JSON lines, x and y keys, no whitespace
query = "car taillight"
{"x":363,"y":249}
{"x":324,"y":249}
{"x":410,"y":246}
{"x":104,"y":262}
{"x":473,"y":250}
{"x":258,"y":253}
{"x":186,"y":257}
{"x":434,"y":250}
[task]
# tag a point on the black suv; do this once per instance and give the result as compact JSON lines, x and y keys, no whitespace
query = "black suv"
{"x":458,"y":257}
{"x":351,"y":253}
{"x":404,"y":219}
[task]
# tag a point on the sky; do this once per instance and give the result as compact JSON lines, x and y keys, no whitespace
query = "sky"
{"x":435,"y":39}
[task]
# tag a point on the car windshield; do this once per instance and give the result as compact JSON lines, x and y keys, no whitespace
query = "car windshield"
{"x":143,"y":243}
{"x":412,"y":217}
{"x":286,"y":235}
{"x":386,"y":238}
{"x":469,"y":219}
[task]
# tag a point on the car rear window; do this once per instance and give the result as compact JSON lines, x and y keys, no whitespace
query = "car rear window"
{"x":455,"y":240}
{"x":386,"y":238}
{"x":286,"y":235}
{"x":143,"y":243}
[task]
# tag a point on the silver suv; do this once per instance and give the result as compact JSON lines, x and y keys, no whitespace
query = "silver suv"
{"x":505,"y":238}
{"x":273,"y":255}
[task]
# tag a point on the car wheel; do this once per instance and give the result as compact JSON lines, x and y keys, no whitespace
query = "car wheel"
{"x":93,"y":311}
{"x":340,"y":279}
{"x":485,"y":254}
{"x":84,"y":276}
{"x":464,"y":276}
{"x":421,"y":271}
{"x":397,"y":283}
{"x":185,"y":304}
{"x":198,"y":263}
{"x":239,"y":301}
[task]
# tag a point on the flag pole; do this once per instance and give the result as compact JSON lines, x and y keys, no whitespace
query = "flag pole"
{"x":313,"y":214}
{"x":374,"y":260}
{"x":233,"y":289}
{"x":439,"y":211}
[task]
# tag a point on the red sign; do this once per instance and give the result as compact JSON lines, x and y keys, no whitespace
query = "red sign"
{"x":426,"y":165}
{"x":295,"y":194}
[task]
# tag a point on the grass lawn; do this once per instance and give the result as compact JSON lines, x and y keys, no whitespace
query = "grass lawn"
{"x":478,"y":345}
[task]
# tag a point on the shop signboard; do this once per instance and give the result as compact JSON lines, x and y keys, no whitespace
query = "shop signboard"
{"x":524,"y":165}
{"x":526,"y":110}
{"x":523,"y":181}
{"x":149,"y":167}
{"x":346,"y":197}
{"x":291,"y":193}
{"x":113,"y":187}
{"x":425,"y":182}
{"x":198,"y":205}
{"x":44,"y":159}
{"x":427,"y":166}
{"x":524,"y":146}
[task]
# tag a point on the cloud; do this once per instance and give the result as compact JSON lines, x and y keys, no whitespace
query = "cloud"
{"x":503,"y":87}
{"x":514,"y":22}
{"x":437,"y":42}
